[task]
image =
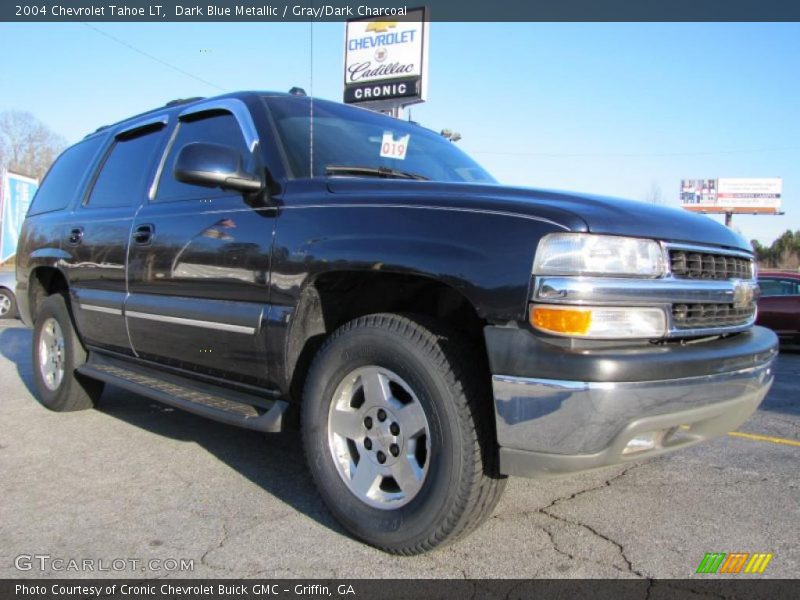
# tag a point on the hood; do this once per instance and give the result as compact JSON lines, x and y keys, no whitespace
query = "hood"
{"x":576,"y":212}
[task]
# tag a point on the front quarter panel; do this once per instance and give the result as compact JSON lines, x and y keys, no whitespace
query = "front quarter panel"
{"x":486,"y":257}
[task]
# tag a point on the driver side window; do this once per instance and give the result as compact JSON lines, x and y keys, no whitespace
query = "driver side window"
{"x":216,"y":128}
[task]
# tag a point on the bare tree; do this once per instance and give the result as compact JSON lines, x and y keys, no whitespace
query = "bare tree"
{"x":27,"y":146}
{"x":654,"y":195}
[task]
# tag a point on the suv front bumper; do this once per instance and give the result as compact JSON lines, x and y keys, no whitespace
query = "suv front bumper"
{"x":549,"y":426}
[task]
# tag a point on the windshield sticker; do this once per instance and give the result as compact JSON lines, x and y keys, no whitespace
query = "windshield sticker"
{"x":392,"y":147}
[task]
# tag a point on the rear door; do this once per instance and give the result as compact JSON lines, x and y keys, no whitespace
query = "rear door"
{"x":98,"y":233}
{"x":198,"y":270}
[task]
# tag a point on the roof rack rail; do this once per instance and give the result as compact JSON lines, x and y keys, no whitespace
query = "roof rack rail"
{"x":179,"y":101}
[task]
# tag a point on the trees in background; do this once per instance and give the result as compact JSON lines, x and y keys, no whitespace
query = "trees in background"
{"x":784,"y":253}
{"x":27,"y":146}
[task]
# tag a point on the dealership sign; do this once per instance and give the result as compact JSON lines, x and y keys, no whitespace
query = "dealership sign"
{"x":746,"y":195}
{"x":17,"y":193}
{"x":385,"y":61}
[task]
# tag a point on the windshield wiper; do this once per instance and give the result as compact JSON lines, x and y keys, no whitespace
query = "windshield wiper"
{"x":372,"y":172}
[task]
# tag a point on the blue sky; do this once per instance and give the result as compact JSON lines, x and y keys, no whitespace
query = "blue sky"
{"x":605,"y":108}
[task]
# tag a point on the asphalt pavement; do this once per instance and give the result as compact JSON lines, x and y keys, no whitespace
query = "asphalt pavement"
{"x":148,"y":491}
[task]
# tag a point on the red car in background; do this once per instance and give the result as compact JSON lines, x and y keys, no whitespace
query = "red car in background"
{"x":779,"y":304}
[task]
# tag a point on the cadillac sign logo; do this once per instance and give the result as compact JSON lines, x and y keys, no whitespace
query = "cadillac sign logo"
{"x":384,"y":61}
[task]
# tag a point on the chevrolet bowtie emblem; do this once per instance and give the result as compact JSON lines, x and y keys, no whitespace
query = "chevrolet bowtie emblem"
{"x":381,"y":26}
{"x":743,"y":294}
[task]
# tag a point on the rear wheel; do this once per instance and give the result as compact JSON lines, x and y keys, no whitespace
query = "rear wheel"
{"x":398,"y":433}
{"x":57,"y":352}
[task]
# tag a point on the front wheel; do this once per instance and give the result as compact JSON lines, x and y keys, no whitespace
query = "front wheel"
{"x":57,"y":352}
{"x":397,"y":430}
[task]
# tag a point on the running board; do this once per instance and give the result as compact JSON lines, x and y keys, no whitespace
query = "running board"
{"x":211,"y":401}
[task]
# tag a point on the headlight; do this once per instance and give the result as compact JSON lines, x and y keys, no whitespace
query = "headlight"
{"x":600,"y":322}
{"x":589,"y":254}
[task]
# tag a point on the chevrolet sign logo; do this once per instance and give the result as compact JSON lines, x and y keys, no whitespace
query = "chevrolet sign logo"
{"x":381,"y":26}
{"x":743,"y":294}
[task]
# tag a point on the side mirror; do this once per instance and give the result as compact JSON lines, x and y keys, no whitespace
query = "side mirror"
{"x":215,"y":165}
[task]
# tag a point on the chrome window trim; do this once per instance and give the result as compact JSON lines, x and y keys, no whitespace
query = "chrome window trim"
{"x":234,"y":106}
{"x":162,"y":162}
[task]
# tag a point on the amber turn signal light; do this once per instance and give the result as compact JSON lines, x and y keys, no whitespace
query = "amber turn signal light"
{"x":561,"y":320}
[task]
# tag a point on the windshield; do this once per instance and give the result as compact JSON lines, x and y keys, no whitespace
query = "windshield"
{"x":374,"y":144}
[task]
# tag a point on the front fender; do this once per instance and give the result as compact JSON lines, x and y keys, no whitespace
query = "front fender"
{"x":486,"y":256}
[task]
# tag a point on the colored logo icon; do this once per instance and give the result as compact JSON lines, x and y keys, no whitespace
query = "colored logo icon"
{"x":735,"y":562}
{"x":381,"y":26}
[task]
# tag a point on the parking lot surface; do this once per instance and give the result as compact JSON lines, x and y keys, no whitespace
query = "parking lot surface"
{"x":138,"y":482}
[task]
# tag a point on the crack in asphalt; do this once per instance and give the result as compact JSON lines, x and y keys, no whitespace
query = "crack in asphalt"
{"x":558,"y":501}
{"x":546,"y":510}
{"x":455,"y":553}
{"x":222,"y":541}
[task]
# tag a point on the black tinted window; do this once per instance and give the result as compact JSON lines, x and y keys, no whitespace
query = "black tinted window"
{"x":216,"y":128}
{"x":126,"y":171}
{"x":63,"y":180}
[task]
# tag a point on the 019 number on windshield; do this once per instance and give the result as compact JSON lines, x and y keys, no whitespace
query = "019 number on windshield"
{"x":394,"y":148}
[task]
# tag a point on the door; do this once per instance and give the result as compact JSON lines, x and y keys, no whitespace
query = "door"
{"x":98,"y":232}
{"x":198,"y":268}
{"x":779,"y":305}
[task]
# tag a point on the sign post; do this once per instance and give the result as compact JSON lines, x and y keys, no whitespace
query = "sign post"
{"x":732,"y":195}
{"x":385,"y":62}
{"x":17,"y":193}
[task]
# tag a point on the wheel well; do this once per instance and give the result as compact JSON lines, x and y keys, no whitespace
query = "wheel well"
{"x":43,"y":282}
{"x":336,"y":298}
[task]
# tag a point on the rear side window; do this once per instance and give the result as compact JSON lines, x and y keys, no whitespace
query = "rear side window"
{"x":215,"y":128}
{"x":127,"y":170}
{"x":779,"y":287}
{"x":63,"y":180}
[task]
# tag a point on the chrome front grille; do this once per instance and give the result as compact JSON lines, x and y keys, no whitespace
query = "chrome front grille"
{"x":707,"y":291}
{"x":686,"y":264}
{"x":702,"y":316}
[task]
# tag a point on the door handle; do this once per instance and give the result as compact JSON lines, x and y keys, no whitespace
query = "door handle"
{"x":75,"y":236}
{"x":143,"y":234}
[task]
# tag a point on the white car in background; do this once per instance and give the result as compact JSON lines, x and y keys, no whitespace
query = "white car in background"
{"x":8,"y":302}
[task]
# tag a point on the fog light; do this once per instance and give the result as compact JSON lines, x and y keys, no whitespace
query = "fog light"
{"x":642,"y":442}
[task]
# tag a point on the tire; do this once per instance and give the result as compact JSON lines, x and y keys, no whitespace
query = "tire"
{"x":440,"y":481}
{"x":8,"y":305}
{"x":70,"y":391}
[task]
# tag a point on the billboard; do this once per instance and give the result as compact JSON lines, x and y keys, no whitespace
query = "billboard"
{"x":385,"y":62}
{"x":17,"y":193}
{"x":732,"y":195}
